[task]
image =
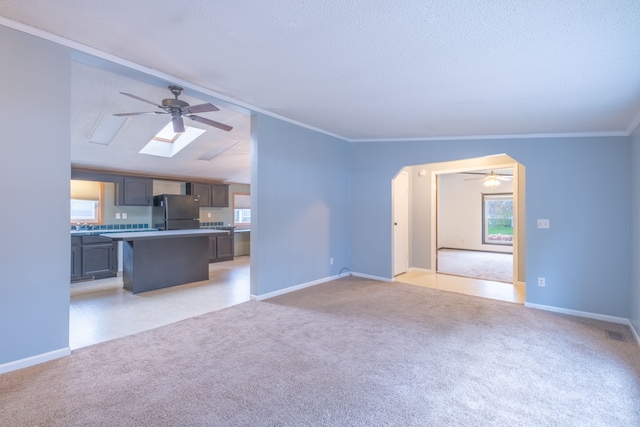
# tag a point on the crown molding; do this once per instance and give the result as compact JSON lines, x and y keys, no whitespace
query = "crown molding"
{"x":248,"y":108}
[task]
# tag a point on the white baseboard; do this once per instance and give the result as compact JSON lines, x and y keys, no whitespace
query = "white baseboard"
{"x":423,"y":270}
{"x":578,"y":313}
{"x":292,"y":288}
{"x":604,"y":317}
{"x":34,"y":360}
{"x":634,"y":332}
{"x":368,"y":276}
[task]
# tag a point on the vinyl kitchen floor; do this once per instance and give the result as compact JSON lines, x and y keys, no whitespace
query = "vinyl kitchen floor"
{"x":101,"y":310}
{"x":464,"y":285}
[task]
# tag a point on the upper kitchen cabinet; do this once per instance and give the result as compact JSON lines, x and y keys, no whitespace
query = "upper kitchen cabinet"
{"x":220,"y":195}
{"x":203,"y":191}
{"x":210,"y":195}
{"x":134,"y":191}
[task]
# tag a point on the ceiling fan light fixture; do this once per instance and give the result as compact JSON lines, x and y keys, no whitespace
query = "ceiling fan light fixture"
{"x":491,"y":182}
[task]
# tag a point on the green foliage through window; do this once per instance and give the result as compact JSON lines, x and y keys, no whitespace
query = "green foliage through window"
{"x":497,"y":219}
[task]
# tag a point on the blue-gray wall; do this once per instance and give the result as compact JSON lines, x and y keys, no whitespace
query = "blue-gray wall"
{"x":34,"y":262}
{"x":634,"y":294}
{"x":300,"y":203}
{"x":580,"y":184}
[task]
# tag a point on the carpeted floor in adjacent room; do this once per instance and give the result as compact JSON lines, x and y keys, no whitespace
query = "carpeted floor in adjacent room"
{"x":351,"y":352}
{"x":484,"y":265}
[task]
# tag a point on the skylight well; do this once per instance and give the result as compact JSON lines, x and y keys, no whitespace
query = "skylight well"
{"x":168,"y":143}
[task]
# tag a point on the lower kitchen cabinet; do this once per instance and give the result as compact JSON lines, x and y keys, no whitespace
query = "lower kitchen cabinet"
{"x":93,"y":257}
{"x":221,"y":247}
{"x":76,"y":257}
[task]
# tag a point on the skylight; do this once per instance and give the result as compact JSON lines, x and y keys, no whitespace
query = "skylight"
{"x":167,"y":143}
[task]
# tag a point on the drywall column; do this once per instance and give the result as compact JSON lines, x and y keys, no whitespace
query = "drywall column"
{"x":300,"y":206}
{"x":34,"y":183}
{"x":634,"y":299}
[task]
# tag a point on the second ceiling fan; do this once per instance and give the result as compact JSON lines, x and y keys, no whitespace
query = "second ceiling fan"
{"x":178,"y":109}
{"x":490,"y":179}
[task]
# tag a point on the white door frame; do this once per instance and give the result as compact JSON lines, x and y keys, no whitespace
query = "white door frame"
{"x":400,"y":226}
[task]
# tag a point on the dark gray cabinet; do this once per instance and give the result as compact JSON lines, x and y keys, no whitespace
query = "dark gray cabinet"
{"x":130,"y":190}
{"x":220,"y":195}
{"x":203,"y":191}
{"x":210,"y":195}
{"x":134,"y":191}
{"x":93,"y":257}
{"x":76,"y":257}
{"x":221,"y":247}
{"x":213,"y":252}
{"x":224,"y":246}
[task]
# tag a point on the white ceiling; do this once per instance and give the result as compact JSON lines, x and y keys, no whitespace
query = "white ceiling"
{"x":95,"y":92}
{"x":377,"y":69}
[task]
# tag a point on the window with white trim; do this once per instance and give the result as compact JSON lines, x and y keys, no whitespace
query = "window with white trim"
{"x":241,"y":209}
{"x":497,"y":219}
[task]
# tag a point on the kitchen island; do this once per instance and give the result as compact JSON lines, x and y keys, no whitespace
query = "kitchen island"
{"x":160,"y":259}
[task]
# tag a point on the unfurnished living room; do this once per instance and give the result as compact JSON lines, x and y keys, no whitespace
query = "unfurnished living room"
{"x":367,"y":141}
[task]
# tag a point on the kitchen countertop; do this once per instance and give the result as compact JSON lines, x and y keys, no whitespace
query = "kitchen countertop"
{"x":163,"y":234}
{"x":138,"y":230}
{"x":98,"y":232}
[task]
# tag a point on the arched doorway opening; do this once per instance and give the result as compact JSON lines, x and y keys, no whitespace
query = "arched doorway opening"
{"x":425,"y":227}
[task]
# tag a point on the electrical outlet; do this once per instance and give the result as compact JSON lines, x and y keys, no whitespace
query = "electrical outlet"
{"x":208,"y":214}
{"x":330,"y":261}
{"x":544,"y":223}
{"x":541,"y":282}
{"x":124,"y":215}
{"x":117,"y":215}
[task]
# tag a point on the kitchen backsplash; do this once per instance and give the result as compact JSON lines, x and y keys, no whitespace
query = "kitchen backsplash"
{"x":111,"y":227}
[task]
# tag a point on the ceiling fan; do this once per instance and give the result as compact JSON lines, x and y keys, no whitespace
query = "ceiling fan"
{"x":178,"y":108}
{"x":491,"y":179}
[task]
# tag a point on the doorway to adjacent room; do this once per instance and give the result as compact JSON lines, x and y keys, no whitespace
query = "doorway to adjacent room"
{"x":497,"y":233}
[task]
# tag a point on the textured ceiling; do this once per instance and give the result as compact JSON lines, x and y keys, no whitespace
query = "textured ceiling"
{"x":95,"y":92}
{"x":380,"y":69}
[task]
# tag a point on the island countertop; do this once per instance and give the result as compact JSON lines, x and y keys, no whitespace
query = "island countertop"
{"x":163,"y":234}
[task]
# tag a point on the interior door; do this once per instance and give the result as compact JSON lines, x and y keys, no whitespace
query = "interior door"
{"x":401,"y":223}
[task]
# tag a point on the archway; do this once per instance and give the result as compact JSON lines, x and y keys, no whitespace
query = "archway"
{"x":423,"y":211}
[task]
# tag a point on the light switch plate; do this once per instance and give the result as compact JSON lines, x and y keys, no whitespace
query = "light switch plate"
{"x":543,"y":223}
{"x":117,"y":215}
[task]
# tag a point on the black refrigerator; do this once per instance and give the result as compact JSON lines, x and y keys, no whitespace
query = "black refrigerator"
{"x":176,"y":212}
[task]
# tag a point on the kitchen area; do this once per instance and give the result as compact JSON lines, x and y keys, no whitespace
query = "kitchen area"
{"x":148,"y":251}
{"x":134,"y":139}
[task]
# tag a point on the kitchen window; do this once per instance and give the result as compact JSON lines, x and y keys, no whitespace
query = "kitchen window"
{"x":86,"y":202}
{"x":84,"y":210}
{"x":241,"y":209}
{"x":242,"y":216}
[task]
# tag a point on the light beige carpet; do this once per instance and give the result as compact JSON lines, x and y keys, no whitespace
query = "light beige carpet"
{"x":352,"y":352}
{"x":477,"y":264}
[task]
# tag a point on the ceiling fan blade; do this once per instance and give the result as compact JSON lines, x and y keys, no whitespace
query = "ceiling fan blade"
{"x":141,"y":99}
{"x":211,"y":123}
{"x":201,"y":108}
{"x":473,"y":179}
{"x":178,"y":124}
{"x":139,"y":114}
